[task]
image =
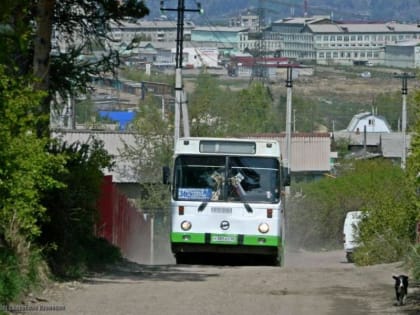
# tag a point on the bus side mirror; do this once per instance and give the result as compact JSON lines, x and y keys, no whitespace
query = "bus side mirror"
{"x":166,"y":174}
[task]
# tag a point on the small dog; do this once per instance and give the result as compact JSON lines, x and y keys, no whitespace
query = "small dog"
{"x":401,"y":287}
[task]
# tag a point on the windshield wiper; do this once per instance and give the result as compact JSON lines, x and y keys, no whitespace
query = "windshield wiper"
{"x":202,"y":206}
{"x":248,"y":208}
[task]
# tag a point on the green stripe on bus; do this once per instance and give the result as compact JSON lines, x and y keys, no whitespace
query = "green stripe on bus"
{"x":179,"y":237}
{"x":261,"y":240}
{"x":249,"y":240}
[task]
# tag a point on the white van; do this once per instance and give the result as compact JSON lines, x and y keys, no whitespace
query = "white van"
{"x":350,"y":232}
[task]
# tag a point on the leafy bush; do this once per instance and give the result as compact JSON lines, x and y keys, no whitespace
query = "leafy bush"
{"x":381,"y":247}
{"x":27,"y":170}
{"x":68,"y":236}
{"x":100,"y":253}
{"x":13,"y":282}
{"x":413,"y":172}
{"x":389,"y":230}
{"x":316,"y":214}
{"x":413,"y":261}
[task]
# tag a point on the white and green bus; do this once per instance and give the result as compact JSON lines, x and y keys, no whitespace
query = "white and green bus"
{"x":227,"y":198}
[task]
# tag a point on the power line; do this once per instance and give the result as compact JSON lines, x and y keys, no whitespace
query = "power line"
{"x":180,"y":99}
{"x":180,"y":26}
{"x":404,"y":91}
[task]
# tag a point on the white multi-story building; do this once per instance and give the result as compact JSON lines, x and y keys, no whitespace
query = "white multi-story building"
{"x":155,"y":31}
{"x":346,"y":43}
{"x":326,"y":42}
{"x":249,"y":20}
{"x":268,"y":42}
{"x":404,"y":54}
{"x":295,"y":42}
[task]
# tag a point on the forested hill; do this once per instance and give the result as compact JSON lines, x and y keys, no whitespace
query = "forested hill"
{"x":349,"y":10}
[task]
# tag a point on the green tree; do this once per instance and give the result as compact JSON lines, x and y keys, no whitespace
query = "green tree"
{"x":389,"y":228}
{"x":222,"y":112}
{"x":31,"y":77}
{"x":68,"y":235}
{"x":85,"y":111}
{"x":413,"y":160}
{"x":413,"y":174}
{"x":152,"y":148}
{"x":27,"y":171}
{"x":252,"y":112}
{"x":209,"y":107}
{"x":27,"y":31}
{"x":305,"y":114}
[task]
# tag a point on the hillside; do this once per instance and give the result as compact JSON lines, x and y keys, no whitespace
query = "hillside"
{"x":333,"y":95}
{"x":219,"y":11}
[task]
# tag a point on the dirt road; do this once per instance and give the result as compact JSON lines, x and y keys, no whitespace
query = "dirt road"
{"x":310,"y":283}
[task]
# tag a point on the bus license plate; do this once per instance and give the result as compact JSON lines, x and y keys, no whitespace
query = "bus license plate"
{"x":224,"y":239}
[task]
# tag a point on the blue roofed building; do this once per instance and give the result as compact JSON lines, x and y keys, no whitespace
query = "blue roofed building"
{"x":123,"y":118}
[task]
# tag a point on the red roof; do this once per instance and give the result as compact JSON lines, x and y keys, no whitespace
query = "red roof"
{"x":268,"y":61}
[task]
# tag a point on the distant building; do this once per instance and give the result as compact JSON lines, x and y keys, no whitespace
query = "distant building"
{"x":124,"y":171}
{"x":404,"y":54}
{"x":372,"y":123}
{"x":194,"y":55}
{"x":123,"y":118}
{"x":296,"y":42}
{"x":326,"y":42}
{"x":244,"y":65}
{"x":317,"y":39}
{"x":388,"y":145}
{"x":159,"y":31}
{"x":311,"y":155}
{"x":227,"y":38}
{"x":250,"y":20}
{"x":377,"y":141}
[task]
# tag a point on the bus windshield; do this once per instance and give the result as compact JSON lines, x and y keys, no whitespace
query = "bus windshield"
{"x":226,"y":178}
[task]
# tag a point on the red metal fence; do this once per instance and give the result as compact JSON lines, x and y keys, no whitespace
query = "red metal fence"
{"x":123,"y":225}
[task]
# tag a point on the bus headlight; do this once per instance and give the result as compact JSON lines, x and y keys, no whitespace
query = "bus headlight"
{"x":263,"y":228}
{"x":186,"y":225}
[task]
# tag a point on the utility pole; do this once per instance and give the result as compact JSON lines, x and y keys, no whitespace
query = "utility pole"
{"x":404,"y":91}
{"x":180,"y":99}
{"x":305,"y":8}
{"x":289,"y":85}
{"x":259,"y":70}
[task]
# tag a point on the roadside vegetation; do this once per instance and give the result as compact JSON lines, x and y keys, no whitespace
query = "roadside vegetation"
{"x":49,"y":189}
{"x":413,"y":175}
{"x":377,"y":187}
{"x":387,"y":194}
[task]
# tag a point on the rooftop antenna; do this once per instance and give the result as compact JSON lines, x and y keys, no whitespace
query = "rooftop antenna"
{"x":305,"y":8}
